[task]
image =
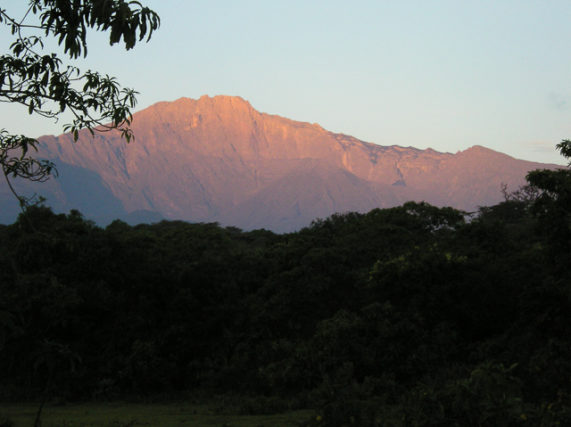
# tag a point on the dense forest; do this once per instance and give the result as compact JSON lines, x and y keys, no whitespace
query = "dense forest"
{"x":409,"y":316}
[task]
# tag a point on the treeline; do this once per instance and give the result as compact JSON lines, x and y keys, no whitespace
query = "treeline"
{"x":413,"y":315}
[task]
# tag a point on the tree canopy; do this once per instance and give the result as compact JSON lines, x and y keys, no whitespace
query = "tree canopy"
{"x":408,"y":316}
{"x":49,"y":86}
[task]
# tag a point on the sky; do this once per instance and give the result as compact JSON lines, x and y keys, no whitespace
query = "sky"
{"x":441,"y":74}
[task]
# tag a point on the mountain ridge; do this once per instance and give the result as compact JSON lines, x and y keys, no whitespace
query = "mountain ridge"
{"x":219,"y":159}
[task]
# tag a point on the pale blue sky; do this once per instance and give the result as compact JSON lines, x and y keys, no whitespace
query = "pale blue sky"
{"x":439,"y":74}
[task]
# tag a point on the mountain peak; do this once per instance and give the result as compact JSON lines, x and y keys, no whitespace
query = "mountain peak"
{"x":224,"y":102}
{"x":218,"y":159}
{"x":205,"y":102}
{"x":479,"y":152}
{"x":480,"y":149}
{"x":224,"y":99}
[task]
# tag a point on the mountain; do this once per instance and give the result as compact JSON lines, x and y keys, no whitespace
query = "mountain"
{"x":218,"y":159}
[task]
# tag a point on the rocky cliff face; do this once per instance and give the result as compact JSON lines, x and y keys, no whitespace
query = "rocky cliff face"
{"x":218,"y":159}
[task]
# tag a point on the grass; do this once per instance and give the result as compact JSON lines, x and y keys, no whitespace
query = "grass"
{"x":127,"y":414}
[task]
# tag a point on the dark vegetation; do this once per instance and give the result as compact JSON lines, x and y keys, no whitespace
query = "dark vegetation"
{"x":414,"y":315}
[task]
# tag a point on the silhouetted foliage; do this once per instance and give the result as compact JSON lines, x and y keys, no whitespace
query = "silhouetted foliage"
{"x":401,"y":316}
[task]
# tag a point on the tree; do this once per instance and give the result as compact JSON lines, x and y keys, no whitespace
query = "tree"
{"x":553,"y":205}
{"x":47,"y":86}
{"x":564,"y":148}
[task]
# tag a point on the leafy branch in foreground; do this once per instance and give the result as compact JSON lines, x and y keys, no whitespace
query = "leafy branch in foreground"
{"x":16,"y":163}
{"x":46,"y":86}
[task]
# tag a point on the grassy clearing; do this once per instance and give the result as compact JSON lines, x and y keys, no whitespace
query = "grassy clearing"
{"x":126,"y":414}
